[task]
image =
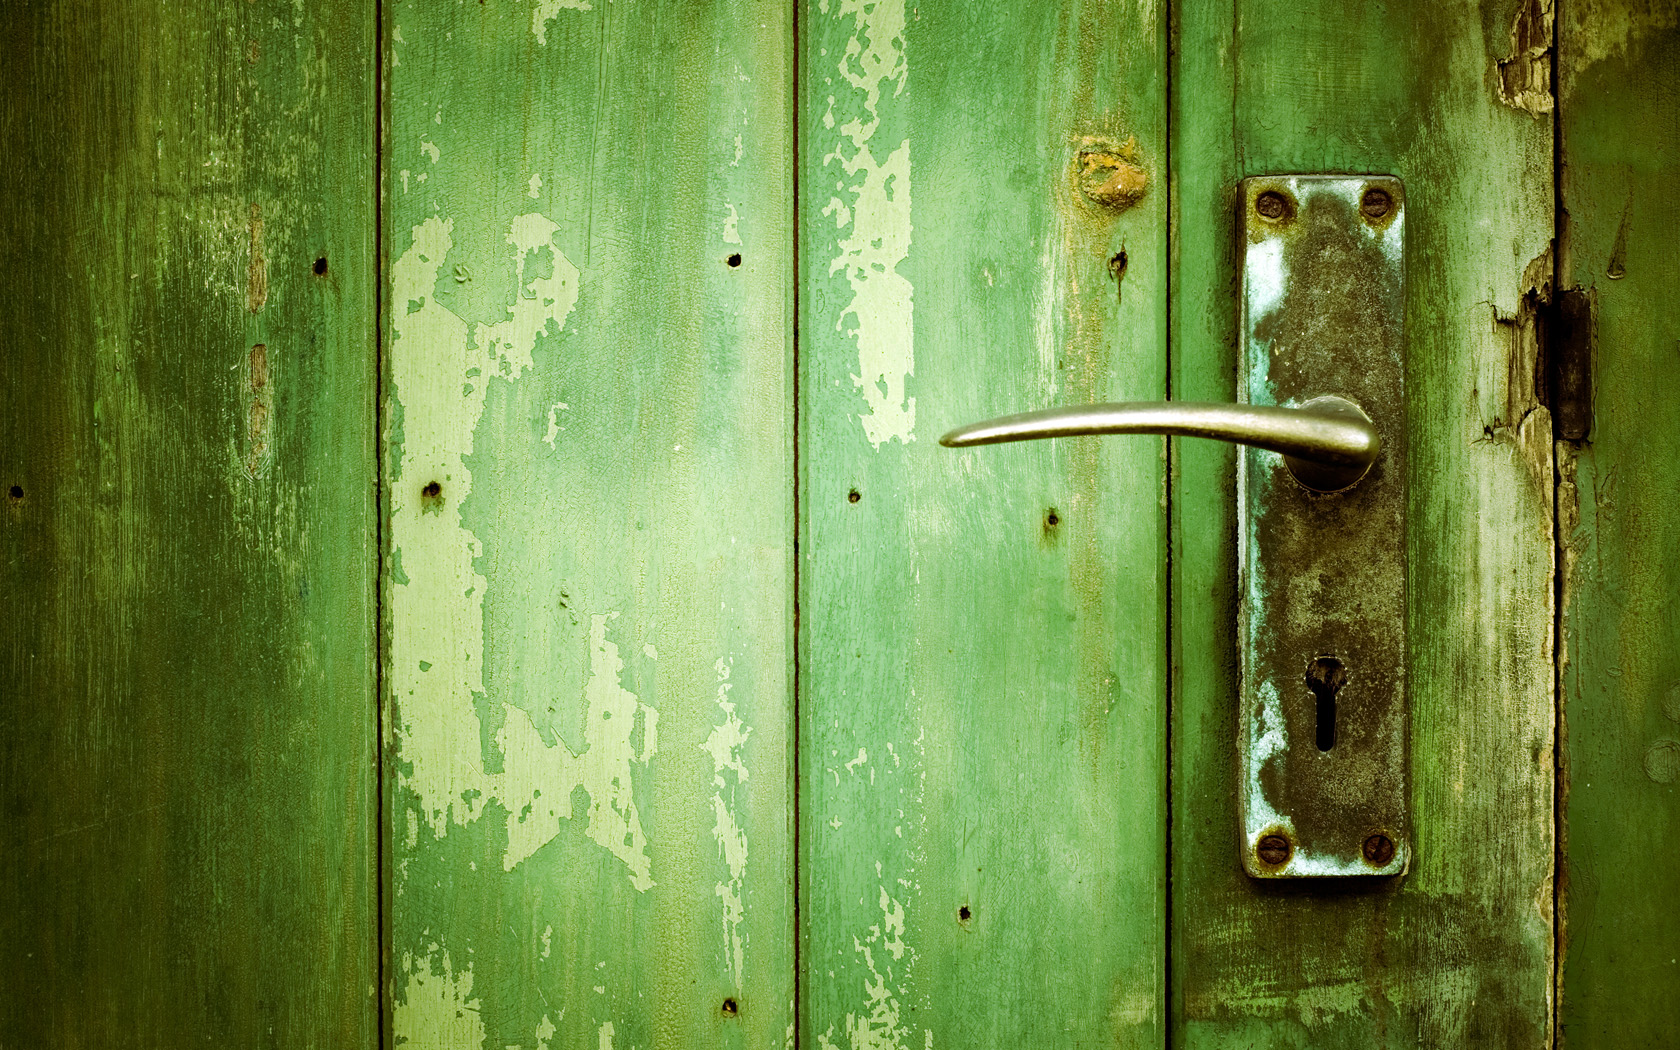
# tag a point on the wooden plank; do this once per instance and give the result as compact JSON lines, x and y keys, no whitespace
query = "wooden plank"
{"x":1458,"y":952}
{"x":982,"y":637}
{"x":590,"y":496}
{"x":187,"y":452}
{"x":1619,"y":528}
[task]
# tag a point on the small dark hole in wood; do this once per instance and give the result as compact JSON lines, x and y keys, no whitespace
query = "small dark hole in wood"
{"x":321,"y":266}
{"x":963,"y":914}
{"x":17,"y":491}
{"x":1052,"y":518}
{"x":432,"y":490}
{"x":730,"y":1009}
{"x":1325,"y":679}
{"x":735,"y":260}
{"x":853,"y":496}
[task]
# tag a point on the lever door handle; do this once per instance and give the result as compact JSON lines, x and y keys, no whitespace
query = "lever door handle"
{"x":1323,"y":712}
{"x":1328,"y":443}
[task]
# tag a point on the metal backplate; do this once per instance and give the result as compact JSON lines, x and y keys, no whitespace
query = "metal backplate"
{"x":1323,"y":722}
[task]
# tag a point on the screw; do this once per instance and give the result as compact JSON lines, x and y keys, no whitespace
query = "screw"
{"x":1274,"y":849}
{"x":1271,"y":204}
{"x":1379,"y":849}
{"x":1375,"y":203}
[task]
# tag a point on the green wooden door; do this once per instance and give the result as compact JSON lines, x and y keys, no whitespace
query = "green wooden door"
{"x":707,"y":316}
{"x":483,"y":573}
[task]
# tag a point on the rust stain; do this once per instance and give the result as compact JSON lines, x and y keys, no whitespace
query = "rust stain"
{"x":1525,"y":76}
{"x":256,"y":276}
{"x":1110,"y":175}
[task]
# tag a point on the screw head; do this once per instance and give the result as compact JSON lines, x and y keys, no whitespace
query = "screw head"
{"x":1375,"y":203}
{"x":1274,"y":849}
{"x":1271,"y":205}
{"x":1379,"y":850}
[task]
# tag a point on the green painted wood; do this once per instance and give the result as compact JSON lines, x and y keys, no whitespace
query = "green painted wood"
{"x":1459,"y":951}
{"x":1619,"y":518}
{"x":186,"y":459}
{"x":589,"y":449}
{"x":982,"y":633}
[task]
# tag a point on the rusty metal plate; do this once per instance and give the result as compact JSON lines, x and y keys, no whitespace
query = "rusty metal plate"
{"x":1324,"y":714}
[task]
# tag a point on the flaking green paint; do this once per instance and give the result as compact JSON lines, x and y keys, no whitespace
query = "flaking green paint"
{"x":589,"y":784}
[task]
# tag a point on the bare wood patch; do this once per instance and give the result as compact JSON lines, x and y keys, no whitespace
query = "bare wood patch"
{"x":1525,"y":77}
{"x":256,"y":275}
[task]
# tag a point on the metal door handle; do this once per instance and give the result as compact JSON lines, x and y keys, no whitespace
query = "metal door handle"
{"x":1328,"y":443}
{"x":1323,"y":709}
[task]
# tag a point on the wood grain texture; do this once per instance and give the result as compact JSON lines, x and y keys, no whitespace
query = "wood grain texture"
{"x":187,"y":461}
{"x":1619,"y":518}
{"x":589,"y":453}
{"x":982,"y":640}
{"x":1458,"y":952}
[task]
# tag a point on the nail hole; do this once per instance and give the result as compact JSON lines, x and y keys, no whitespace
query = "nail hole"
{"x":853,"y":496}
{"x":963,"y":914}
{"x":432,"y":494}
{"x":1052,"y":519}
{"x":1324,"y":680}
{"x":729,"y":1008}
{"x":321,"y":266}
{"x":734,"y":260}
{"x":17,"y":492}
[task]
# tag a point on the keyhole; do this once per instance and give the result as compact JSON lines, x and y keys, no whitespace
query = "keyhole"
{"x":1324,"y":679}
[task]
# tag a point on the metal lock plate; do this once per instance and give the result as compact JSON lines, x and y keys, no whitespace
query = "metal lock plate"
{"x":1323,"y":726}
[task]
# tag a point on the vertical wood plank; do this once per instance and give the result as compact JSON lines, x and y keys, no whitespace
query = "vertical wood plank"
{"x":187,"y":462}
{"x":1459,"y":951}
{"x":1619,"y":527}
{"x":982,"y":639}
{"x":590,"y":498}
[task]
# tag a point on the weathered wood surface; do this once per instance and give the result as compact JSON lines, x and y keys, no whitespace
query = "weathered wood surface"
{"x":1458,"y":952}
{"x":1619,"y":518}
{"x":589,"y":456}
{"x":186,"y":457}
{"x":982,"y":634}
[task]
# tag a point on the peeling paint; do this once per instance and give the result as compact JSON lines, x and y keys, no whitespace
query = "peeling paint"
{"x":732,"y":226}
{"x":554,"y":426}
{"x":729,"y":771}
{"x":437,"y":609}
{"x":1525,"y":76}
{"x":548,"y":10}
{"x":877,"y":222}
{"x":440,"y":1009}
{"x":884,"y":1026}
